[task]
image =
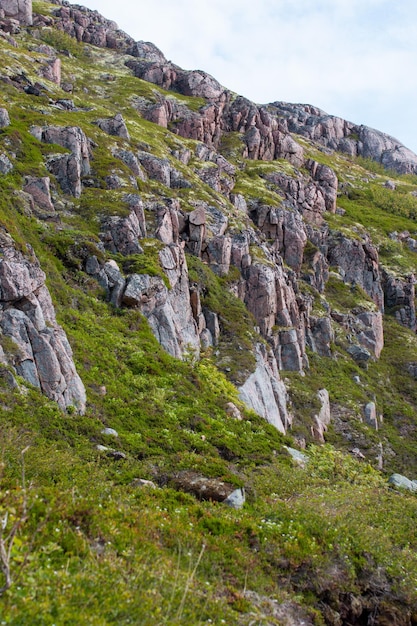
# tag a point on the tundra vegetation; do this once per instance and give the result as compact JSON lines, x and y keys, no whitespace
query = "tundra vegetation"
{"x":100,"y":526}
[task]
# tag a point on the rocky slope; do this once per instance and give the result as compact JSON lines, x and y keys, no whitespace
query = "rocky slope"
{"x":267,"y":241}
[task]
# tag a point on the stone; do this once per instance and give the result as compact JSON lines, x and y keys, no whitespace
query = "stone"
{"x":323,"y":419}
{"x":299,"y":457}
{"x":4,"y":118}
{"x":359,"y":354}
{"x":338,"y":134}
{"x":265,"y":393}
{"x":155,"y":167}
{"x":39,"y":189}
{"x":202,"y":487}
{"x":236,"y":499}
{"x":20,"y":10}
{"x":402,"y":482}
{"x":68,"y":168}
{"x":6,"y":165}
{"x":232,"y":411}
{"x":110,"y":432}
{"x":370,"y":415}
{"x":52,"y":71}
{"x":122,"y":234}
{"x":43,"y":356}
{"x":142,"y":483}
{"x":114,"y":126}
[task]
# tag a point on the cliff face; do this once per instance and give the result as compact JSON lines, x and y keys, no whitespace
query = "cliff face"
{"x":273,"y":237}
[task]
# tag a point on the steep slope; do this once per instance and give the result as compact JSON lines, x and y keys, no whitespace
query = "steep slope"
{"x":228,"y":287}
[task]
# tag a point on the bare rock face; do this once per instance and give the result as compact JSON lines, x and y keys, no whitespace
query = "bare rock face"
{"x":52,"y":71}
{"x":114,"y":126}
{"x":122,"y":234}
{"x":323,"y":418}
{"x":400,"y":295}
{"x":338,"y":134}
{"x":264,"y":136}
{"x":155,"y":167}
{"x":146,"y":50}
{"x":287,"y":230}
{"x":20,"y":10}
{"x":265,"y":393}
{"x":68,"y":168}
{"x":89,"y":26}
{"x":43,"y":355}
{"x":168,"y":311}
{"x":39,"y":189}
{"x":4,"y":118}
{"x":358,"y":263}
{"x":156,"y":69}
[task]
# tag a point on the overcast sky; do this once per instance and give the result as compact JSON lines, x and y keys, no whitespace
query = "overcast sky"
{"x":356,"y":59}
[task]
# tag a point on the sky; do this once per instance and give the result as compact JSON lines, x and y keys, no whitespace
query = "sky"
{"x":356,"y":59}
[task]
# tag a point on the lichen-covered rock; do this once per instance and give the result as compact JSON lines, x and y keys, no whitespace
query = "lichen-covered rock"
{"x":6,"y":165}
{"x":43,"y":355}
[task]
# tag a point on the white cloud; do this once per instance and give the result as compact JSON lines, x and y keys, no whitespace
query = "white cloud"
{"x":353,"y":58}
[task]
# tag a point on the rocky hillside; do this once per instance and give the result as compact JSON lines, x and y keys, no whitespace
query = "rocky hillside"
{"x":208,"y":305}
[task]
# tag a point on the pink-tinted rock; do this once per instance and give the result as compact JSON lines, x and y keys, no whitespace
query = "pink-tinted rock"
{"x":43,"y":355}
{"x":52,"y":71}
{"x":39,"y":189}
{"x":265,"y":393}
{"x":20,"y":10}
{"x":114,"y":126}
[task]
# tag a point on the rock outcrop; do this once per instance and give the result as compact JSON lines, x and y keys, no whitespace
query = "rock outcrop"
{"x":38,"y":348}
{"x":19,"y":10}
{"x":68,"y":168}
{"x":338,"y":134}
{"x":265,"y":393}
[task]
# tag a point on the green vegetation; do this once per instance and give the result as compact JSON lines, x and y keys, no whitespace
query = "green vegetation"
{"x":85,"y":542}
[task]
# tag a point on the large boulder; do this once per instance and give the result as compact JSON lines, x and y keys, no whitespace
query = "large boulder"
{"x":42,"y":354}
{"x":265,"y":393}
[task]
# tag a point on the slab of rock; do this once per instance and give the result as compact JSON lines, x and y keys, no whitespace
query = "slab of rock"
{"x":39,"y":189}
{"x":114,"y":126}
{"x":402,"y":482}
{"x":370,"y":415}
{"x":4,"y":118}
{"x":202,"y":487}
{"x":265,"y":393}
{"x":68,"y":168}
{"x":6,"y":165}
{"x":20,"y":10}
{"x":323,"y":418}
{"x":43,"y":355}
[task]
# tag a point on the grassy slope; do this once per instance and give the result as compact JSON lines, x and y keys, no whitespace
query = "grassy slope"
{"x":95,"y":549}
